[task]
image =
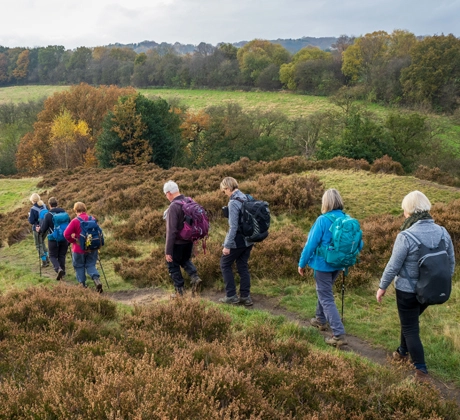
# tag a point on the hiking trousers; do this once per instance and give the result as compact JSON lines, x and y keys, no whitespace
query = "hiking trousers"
{"x":182,"y":254}
{"x":58,"y":252}
{"x":241,"y":256}
{"x":85,"y":263}
{"x":409,"y":311}
{"x":326,"y":309}
{"x":40,"y":244}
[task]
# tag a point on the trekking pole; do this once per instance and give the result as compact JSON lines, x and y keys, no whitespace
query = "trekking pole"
{"x":102,"y":268}
{"x":343,"y":290}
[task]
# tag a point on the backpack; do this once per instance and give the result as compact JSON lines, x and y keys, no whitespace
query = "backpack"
{"x":60,"y":223}
{"x":41,"y":214}
{"x":434,"y":283}
{"x":196,"y":222}
{"x":91,"y":236}
{"x":343,"y":250}
{"x":254,"y":219}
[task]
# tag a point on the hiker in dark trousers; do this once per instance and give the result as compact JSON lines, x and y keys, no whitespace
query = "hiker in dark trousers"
{"x":178,"y":253}
{"x":39,"y":237}
{"x":83,"y":261}
{"x":235,"y":248}
{"x":325,"y":275}
{"x":403,"y":266}
{"x":57,"y":249}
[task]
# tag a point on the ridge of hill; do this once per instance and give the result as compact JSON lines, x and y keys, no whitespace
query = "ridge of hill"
{"x":292,"y":45}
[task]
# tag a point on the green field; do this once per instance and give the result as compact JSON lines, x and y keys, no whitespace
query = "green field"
{"x":15,"y":192}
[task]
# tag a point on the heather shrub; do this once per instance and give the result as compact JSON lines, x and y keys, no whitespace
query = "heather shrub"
{"x":115,"y":248}
{"x":386,"y":165}
{"x":142,"y":223}
{"x":436,"y":175}
{"x":344,"y":163}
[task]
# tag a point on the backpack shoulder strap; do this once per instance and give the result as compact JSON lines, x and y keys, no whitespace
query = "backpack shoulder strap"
{"x":412,"y":236}
{"x":331,"y":217}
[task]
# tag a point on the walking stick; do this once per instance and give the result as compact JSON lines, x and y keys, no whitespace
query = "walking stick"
{"x":343,"y":290}
{"x":102,"y":268}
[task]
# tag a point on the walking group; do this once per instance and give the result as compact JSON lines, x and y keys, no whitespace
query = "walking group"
{"x":333,"y":245}
{"x":421,"y":265}
{"x":82,"y":233}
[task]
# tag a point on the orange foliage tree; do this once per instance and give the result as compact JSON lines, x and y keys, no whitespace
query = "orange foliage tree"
{"x":85,"y":104}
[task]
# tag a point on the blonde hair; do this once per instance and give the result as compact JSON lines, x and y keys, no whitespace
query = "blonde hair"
{"x":331,"y":201}
{"x":34,"y":198}
{"x":79,"y":207}
{"x":415,"y":202}
{"x":230,"y":183}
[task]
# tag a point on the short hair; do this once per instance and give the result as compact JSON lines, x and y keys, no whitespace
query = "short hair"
{"x":415,"y":202}
{"x":34,"y":198}
{"x":170,"y":187}
{"x":230,"y":183}
{"x":331,"y":201}
{"x":79,"y":207}
{"x":52,"y":202}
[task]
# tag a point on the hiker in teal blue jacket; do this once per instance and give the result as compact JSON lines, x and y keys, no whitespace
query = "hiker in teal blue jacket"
{"x":325,"y":275}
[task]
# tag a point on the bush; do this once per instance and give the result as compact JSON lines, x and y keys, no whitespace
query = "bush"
{"x":386,"y":165}
{"x":436,"y":175}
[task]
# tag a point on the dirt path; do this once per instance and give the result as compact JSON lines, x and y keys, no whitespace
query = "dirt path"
{"x":271,"y":305}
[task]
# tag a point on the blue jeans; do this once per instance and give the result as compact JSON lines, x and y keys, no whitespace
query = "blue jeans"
{"x":409,"y":310}
{"x":85,"y":262}
{"x":241,"y":256}
{"x":326,"y":309}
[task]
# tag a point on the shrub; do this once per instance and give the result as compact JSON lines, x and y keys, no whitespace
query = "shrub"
{"x":386,"y":165}
{"x":436,"y":175}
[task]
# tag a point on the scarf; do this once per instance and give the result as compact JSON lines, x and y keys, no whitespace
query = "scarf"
{"x":414,"y":218}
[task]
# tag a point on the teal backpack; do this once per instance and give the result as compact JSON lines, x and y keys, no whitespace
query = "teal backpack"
{"x":60,"y":223}
{"x":343,"y":250}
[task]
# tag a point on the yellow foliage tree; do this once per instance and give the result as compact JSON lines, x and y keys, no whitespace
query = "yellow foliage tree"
{"x":65,"y":132}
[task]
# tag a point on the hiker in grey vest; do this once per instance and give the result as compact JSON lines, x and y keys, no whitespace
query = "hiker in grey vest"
{"x":235,"y":248}
{"x":39,"y":237}
{"x":178,"y":252}
{"x":403,"y":266}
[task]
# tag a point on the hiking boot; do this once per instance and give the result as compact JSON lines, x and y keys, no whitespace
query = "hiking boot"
{"x":401,"y":358}
{"x":421,"y":376}
{"x":195,"y":283}
{"x":336,"y":341}
{"x":98,"y":284}
{"x":83,"y":285}
{"x":233,"y":300}
{"x":45,"y":263}
{"x":60,"y":274}
{"x":246,"y":301}
{"x":314,"y":322}
{"x":178,"y":293}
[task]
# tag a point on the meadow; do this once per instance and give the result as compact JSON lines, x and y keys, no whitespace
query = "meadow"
{"x":130,"y":203}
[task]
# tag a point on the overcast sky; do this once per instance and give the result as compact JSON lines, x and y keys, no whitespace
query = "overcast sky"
{"x":89,"y":23}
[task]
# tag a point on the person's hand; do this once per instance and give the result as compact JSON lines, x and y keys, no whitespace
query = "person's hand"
{"x":169,"y":258}
{"x":380,"y":294}
{"x":226,"y":251}
{"x":301,"y":271}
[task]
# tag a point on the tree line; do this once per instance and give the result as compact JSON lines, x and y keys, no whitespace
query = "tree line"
{"x":107,"y":126}
{"x":396,"y":68}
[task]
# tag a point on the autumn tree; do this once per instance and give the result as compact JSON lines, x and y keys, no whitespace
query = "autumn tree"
{"x":22,"y":66}
{"x":257,"y":55}
{"x":433,"y":76}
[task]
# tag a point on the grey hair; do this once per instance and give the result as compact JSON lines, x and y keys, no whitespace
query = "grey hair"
{"x":415,"y":202}
{"x":331,"y":200}
{"x":170,"y":187}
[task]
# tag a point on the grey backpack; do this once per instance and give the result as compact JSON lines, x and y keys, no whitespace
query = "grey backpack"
{"x":434,"y":283}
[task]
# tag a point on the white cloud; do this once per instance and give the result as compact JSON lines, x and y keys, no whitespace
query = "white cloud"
{"x":90,"y":23}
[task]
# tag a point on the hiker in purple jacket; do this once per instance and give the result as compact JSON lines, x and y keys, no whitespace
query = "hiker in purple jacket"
{"x":178,"y":253}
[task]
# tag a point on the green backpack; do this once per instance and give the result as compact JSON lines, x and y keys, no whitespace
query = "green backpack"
{"x":343,"y":250}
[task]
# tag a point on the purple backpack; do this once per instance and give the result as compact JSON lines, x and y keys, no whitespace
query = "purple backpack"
{"x":196,"y":222}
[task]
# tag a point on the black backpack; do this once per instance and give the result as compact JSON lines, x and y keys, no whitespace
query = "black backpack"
{"x":254,"y":219}
{"x":434,"y":283}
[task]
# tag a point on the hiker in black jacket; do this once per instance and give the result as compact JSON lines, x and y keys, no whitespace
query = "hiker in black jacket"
{"x":57,"y":249}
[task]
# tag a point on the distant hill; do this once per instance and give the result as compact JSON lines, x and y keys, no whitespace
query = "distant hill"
{"x":292,"y":45}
